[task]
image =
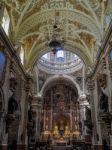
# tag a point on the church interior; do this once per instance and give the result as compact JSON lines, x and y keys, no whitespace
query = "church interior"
{"x":55,"y":74}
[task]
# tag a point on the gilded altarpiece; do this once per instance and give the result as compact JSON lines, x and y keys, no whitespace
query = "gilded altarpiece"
{"x":61,"y":115}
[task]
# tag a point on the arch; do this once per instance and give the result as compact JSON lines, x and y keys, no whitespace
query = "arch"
{"x":76,"y":48}
{"x":51,"y":80}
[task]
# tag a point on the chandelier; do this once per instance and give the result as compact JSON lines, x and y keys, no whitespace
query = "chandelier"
{"x":56,"y":40}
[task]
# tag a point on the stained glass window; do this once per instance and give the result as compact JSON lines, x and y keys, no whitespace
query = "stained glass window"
{"x":2,"y":64}
{"x":111,"y":55}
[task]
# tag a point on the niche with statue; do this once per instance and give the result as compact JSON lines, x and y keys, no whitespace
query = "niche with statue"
{"x":103,"y":94}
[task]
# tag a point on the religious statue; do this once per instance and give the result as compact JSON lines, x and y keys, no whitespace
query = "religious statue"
{"x":55,"y":132}
{"x":103,"y":97}
{"x":67,"y":131}
{"x":12,"y":105}
{"x":61,"y":129}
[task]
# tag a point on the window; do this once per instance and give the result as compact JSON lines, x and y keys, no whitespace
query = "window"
{"x":60,"y":53}
{"x":5,"y":21}
{"x":60,"y":56}
{"x":45,"y":56}
{"x":111,"y":55}
{"x":22,"y":55}
{"x":2,"y":64}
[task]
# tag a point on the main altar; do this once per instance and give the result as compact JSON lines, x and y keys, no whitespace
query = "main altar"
{"x":60,"y":116}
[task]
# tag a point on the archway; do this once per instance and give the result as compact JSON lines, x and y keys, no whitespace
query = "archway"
{"x":63,"y":78}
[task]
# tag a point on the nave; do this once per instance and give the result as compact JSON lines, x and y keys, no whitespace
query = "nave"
{"x":55,"y":74}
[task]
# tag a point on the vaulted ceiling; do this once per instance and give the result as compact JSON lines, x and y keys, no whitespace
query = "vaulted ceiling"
{"x":82,"y":24}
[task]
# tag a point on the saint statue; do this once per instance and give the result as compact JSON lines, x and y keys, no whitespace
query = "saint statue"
{"x":103,"y":98}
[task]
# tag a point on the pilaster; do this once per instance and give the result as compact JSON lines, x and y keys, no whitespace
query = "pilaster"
{"x":91,"y":87}
{"x":36,"y":106}
{"x":99,"y":136}
{"x":27,"y":89}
